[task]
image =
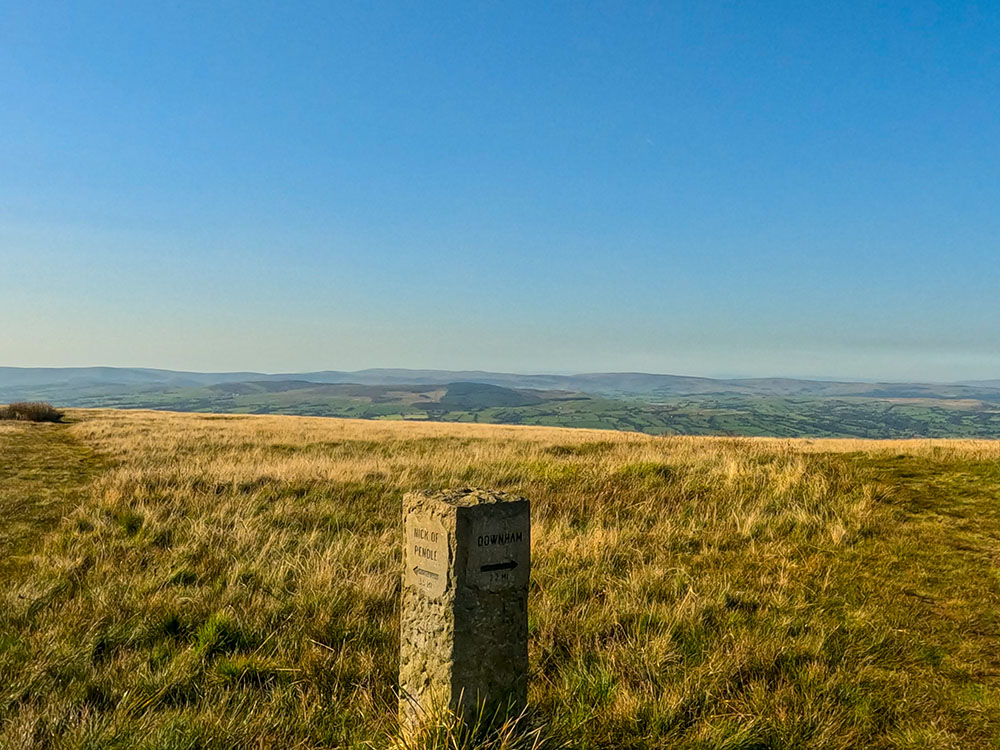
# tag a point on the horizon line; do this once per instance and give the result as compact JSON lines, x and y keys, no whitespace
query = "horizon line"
{"x":539,"y":373}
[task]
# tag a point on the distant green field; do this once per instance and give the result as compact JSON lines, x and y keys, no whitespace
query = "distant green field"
{"x":735,"y":415}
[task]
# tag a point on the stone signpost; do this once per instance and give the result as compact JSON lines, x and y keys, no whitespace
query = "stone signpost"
{"x":464,"y":613}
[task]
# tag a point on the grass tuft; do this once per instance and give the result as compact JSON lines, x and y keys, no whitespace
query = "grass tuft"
{"x":441,"y":729}
{"x":249,"y":671}
{"x":219,"y":634}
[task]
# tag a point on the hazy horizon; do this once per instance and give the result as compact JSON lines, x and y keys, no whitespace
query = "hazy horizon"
{"x":568,"y":373}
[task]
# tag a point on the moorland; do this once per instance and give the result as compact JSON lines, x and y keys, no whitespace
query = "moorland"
{"x":224,"y":581}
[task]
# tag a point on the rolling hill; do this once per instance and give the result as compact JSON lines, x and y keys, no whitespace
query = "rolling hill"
{"x":655,"y":404}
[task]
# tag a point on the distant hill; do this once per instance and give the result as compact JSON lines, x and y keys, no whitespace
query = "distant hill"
{"x":482,"y":396}
{"x":33,"y":377}
{"x":22,"y":382}
{"x":983,"y":383}
{"x":651,"y":403}
{"x":452,"y":396}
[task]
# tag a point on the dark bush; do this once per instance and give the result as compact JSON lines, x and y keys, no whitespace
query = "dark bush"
{"x":31,"y":411}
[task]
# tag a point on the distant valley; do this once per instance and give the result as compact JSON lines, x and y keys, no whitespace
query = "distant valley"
{"x":650,"y":403}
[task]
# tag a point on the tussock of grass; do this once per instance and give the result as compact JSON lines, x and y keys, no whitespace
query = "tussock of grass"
{"x":31,"y":411}
{"x":231,"y":583}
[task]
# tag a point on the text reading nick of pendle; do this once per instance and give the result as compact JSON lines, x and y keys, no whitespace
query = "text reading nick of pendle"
{"x":425,"y":535}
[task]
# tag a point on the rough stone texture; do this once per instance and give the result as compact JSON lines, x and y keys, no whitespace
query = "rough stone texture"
{"x":464,"y":612}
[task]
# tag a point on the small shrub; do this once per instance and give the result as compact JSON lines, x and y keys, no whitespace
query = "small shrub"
{"x":31,"y":411}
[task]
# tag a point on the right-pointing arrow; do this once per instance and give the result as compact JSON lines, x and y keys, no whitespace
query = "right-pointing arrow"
{"x":509,"y":565}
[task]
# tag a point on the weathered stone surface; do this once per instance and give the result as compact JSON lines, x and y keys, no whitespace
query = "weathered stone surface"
{"x":464,"y":612}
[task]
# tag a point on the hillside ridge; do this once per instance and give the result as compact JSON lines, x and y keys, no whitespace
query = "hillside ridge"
{"x":638,"y":402}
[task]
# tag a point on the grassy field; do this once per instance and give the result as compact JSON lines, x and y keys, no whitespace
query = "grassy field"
{"x":207,"y":581}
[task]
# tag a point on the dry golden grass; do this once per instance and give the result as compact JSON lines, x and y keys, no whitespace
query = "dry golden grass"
{"x":232,"y":581}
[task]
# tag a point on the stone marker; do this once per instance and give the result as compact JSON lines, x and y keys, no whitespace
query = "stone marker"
{"x":464,"y":612}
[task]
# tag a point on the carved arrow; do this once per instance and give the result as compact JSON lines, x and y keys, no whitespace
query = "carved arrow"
{"x":509,"y":565}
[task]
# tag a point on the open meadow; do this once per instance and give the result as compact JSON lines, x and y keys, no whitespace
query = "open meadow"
{"x":193,"y":581}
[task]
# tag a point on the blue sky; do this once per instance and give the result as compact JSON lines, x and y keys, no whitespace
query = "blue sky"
{"x":695,"y":188}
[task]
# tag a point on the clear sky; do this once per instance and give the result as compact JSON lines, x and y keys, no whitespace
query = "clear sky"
{"x":758,"y":188}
